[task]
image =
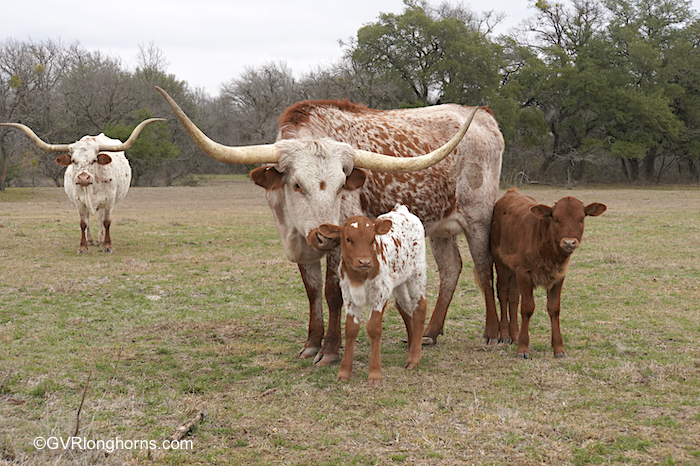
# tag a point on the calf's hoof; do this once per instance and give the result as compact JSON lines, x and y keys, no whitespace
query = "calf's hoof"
{"x":560,"y":355}
{"x":374,"y":382}
{"x":491,"y":341}
{"x":523,"y":355}
{"x":428,"y":341}
{"x":326,"y":359}
{"x":411,"y":365}
{"x":307,"y":353}
{"x":108,"y":250}
{"x":343,"y":379}
{"x":506,"y":341}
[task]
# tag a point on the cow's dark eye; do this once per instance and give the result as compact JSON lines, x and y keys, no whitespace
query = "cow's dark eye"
{"x":298,"y":189}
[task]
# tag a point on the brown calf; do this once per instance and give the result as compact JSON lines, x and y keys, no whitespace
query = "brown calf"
{"x":531,"y":245}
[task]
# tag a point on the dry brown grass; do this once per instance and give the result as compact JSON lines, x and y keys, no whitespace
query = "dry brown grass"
{"x":198,"y":310}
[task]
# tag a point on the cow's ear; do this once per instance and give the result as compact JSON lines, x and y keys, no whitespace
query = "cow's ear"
{"x":103,"y":159}
{"x":595,"y":209}
{"x":63,"y":160}
{"x":382,"y":227}
{"x":541,"y":211}
{"x":329,"y":231}
{"x":355,"y":179}
{"x":268,"y":177}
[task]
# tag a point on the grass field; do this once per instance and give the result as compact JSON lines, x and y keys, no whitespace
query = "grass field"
{"x":197,"y":310}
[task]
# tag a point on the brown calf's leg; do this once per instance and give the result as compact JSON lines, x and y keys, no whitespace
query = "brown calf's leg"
{"x":352,"y":329}
{"x":513,"y":299}
{"x":527,"y":308}
{"x":554,"y":309}
{"x":503,"y":276}
{"x":415,"y":324}
{"x":374,"y":332}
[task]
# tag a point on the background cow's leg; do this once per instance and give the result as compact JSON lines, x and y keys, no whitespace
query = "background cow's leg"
{"x":554,"y":308}
{"x":313,"y":282}
{"x":449,"y":263}
{"x":330,"y":352}
{"x":480,"y":249}
{"x":527,"y":308}
{"x":352,"y":329}
{"x":374,"y":332}
{"x":84,"y":231}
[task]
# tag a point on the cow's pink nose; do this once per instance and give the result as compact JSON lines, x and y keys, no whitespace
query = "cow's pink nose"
{"x":84,"y":179}
{"x":569,"y":244}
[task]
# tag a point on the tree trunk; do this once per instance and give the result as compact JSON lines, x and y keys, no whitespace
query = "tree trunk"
{"x":649,"y":162}
{"x":3,"y":173}
{"x":631,"y":168}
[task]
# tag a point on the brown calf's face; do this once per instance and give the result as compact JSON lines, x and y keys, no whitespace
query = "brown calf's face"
{"x":357,"y":240}
{"x":566,"y":220}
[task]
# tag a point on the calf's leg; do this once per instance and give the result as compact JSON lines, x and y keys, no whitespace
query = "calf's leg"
{"x":352,"y":329}
{"x":527,"y":308}
{"x":415,"y":323}
{"x":554,"y":309}
{"x":374,"y":332}
{"x":513,"y":299}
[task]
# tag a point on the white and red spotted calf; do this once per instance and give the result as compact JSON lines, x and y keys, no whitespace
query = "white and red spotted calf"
{"x":381,"y":257}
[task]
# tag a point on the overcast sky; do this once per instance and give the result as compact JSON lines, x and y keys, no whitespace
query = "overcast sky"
{"x":209,"y":42}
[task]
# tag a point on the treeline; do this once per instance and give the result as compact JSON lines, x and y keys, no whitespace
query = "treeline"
{"x":589,"y":91}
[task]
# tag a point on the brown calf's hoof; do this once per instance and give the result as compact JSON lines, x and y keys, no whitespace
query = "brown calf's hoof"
{"x":490,"y":341}
{"x":326,"y":359}
{"x":374,"y":382}
{"x":523,"y":355}
{"x":343,"y":379}
{"x":428,"y":341}
{"x":108,"y":250}
{"x":559,"y":355}
{"x":505,"y":341}
{"x":411,"y":365}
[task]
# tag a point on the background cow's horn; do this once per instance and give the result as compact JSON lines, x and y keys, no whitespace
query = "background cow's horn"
{"x":129,"y":142}
{"x":386,"y":163}
{"x":42,"y":145}
{"x":235,"y":155}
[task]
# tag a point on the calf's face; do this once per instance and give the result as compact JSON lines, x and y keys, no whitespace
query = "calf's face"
{"x":566,"y":220}
{"x":357,"y":240}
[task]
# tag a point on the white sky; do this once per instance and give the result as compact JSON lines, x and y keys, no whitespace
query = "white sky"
{"x":209,"y":42}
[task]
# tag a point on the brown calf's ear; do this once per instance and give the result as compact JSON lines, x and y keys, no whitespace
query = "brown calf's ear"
{"x":382,"y":227}
{"x":103,"y":159}
{"x":268,"y":177}
{"x":594,"y":209}
{"x":355,"y":179}
{"x":541,"y":211}
{"x":63,"y":160}
{"x":329,"y":231}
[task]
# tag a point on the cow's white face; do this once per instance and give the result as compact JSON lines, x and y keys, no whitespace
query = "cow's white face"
{"x":306,"y":188}
{"x":83,"y":158}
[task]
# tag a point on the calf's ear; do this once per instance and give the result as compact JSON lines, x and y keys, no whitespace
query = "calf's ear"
{"x":541,"y":211}
{"x":63,"y":160}
{"x":268,"y":177}
{"x":382,"y":227}
{"x":329,"y":231}
{"x":355,"y":179}
{"x":595,"y":209}
{"x":103,"y":159}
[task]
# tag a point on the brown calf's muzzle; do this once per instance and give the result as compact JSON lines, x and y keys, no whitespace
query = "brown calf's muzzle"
{"x":321,"y":243}
{"x":569,"y":244}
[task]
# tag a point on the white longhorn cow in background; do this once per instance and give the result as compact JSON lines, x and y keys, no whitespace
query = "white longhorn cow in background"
{"x":97,"y":177}
{"x":327,"y":167}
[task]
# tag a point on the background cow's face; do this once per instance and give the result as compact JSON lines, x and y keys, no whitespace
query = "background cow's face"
{"x":567,"y":220}
{"x":84,"y":156}
{"x":315,"y":178}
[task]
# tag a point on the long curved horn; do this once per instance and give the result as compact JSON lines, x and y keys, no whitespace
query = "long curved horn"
{"x":129,"y":142}
{"x":386,"y":163}
{"x":243,"y":155}
{"x":42,"y":145}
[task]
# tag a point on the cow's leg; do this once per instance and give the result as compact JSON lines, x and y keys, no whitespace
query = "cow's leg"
{"x":554,"y":308}
{"x":312,"y":277}
{"x":449,"y":263}
{"x":527,"y":308}
{"x":478,"y":233}
{"x":374,"y":332}
{"x":415,"y":323}
{"x":105,"y":237}
{"x":84,"y":232}
{"x":330,"y":352}
{"x":352,"y":329}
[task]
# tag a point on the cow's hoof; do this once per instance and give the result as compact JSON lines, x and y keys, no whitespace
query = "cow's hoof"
{"x":523,"y":355}
{"x":505,"y":341}
{"x":326,"y":359}
{"x":490,"y":341}
{"x":307,"y":353}
{"x":82,"y":251}
{"x":374,"y":382}
{"x":559,"y":355}
{"x":108,"y":250}
{"x":428,"y":341}
{"x":343,"y":379}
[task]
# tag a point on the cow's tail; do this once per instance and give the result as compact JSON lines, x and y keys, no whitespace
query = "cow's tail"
{"x":477,"y":281}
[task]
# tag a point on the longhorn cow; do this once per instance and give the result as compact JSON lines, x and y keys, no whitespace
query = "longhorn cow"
{"x":97,"y":177}
{"x":326,"y":166}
